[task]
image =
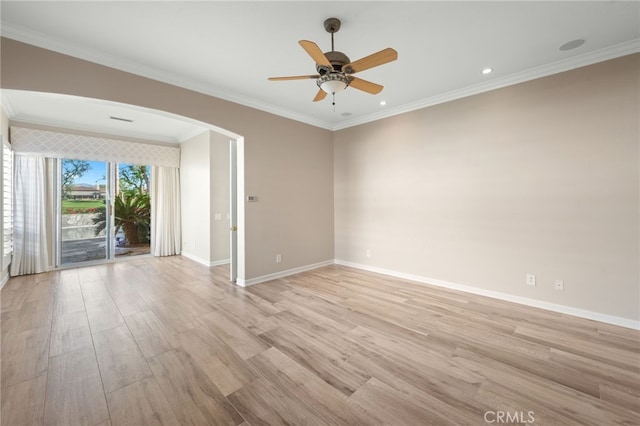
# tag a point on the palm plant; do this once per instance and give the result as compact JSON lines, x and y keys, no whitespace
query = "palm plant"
{"x":132,"y":214}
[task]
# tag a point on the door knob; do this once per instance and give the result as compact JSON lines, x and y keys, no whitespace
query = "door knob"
{"x":234,"y":228}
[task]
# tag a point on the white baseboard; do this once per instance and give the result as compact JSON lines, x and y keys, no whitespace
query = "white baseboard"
{"x":568,"y":310}
{"x":203,"y":261}
{"x":281,"y":274}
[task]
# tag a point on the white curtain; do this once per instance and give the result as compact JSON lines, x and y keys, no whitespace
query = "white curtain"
{"x":30,"y":246}
{"x":165,"y":199}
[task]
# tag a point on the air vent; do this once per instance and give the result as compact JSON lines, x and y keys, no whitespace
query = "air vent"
{"x":121,"y":119}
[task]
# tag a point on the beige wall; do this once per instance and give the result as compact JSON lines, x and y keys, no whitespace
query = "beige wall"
{"x":541,"y":177}
{"x":288,"y":164}
{"x":195,"y":194}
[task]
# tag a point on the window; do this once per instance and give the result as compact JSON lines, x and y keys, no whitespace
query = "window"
{"x":6,"y":167}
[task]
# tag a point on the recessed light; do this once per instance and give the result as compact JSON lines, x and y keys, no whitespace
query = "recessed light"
{"x":346,"y":114}
{"x":487,"y":71}
{"x":383,"y":103}
{"x":572,"y":44}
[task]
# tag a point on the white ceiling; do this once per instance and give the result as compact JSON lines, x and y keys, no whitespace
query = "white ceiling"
{"x":94,"y":115}
{"x":228,"y":49}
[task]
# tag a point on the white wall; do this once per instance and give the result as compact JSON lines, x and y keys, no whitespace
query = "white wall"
{"x":195,"y":172}
{"x":541,"y":177}
{"x":204,"y":182}
{"x":220,"y":223}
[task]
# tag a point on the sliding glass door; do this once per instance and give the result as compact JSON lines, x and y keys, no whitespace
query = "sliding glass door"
{"x":84,"y":211}
{"x":132,"y":210}
{"x":104,"y":210}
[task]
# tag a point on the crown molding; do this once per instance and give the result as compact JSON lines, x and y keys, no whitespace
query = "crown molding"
{"x":34,"y":38}
{"x":7,"y":105}
{"x":589,"y":58}
{"x":37,"y":39}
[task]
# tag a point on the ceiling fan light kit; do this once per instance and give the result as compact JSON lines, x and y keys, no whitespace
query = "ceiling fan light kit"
{"x":333,"y":82}
{"x":335,"y":68}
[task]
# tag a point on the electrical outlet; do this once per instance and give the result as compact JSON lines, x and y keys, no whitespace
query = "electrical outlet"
{"x":368,"y":252}
{"x":531,"y":279}
{"x":559,"y":285}
{"x":278,"y":258}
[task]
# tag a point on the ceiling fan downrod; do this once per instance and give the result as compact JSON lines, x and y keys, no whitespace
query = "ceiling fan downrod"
{"x":332,"y":25}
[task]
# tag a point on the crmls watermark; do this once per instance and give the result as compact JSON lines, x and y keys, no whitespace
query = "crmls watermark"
{"x":511,"y":417}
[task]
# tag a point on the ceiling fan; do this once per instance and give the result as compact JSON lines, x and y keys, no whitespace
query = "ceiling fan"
{"x":335,"y":69}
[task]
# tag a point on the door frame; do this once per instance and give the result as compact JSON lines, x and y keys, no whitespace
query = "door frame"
{"x":237,"y":210}
{"x":109,"y":191}
{"x":233,"y":210}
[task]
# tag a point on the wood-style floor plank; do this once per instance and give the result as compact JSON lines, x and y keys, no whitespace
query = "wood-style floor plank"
{"x":23,"y":404}
{"x":74,"y":390}
{"x":314,"y":393}
{"x":70,"y":331}
{"x":325,"y":361}
{"x":567,"y":402}
{"x":150,"y":333}
{"x":224,"y":367}
{"x":103,"y":314}
{"x":193,"y":397}
{"x":169,"y":341}
{"x":94,"y":290}
{"x":234,"y":334}
{"x":24,"y":355}
{"x":139,"y":404}
{"x":394,"y":408}
{"x":120,"y":360}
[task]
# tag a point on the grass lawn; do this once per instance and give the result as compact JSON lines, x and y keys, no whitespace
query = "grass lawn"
{"x":81,"y":206}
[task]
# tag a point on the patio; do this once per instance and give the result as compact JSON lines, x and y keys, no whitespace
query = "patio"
{"x":90,"y":249}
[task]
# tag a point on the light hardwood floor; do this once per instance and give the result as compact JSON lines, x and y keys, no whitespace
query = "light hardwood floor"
{"x":168,"y":341}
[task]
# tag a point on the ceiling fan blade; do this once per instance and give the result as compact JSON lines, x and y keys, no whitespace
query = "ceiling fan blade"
{"x":382,"y":57}
{"x":320,"y":95}
{"x":314,"y":51}
{"x":365,"y":86}
{"x":293,"y":77}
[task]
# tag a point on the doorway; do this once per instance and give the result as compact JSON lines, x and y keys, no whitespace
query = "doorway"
{"x":104,"y":211}
{"x":84,"y":197}
{"x":132,"y":210}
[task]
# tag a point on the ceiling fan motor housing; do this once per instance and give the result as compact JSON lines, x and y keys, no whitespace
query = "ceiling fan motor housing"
{"x":337,"y":59}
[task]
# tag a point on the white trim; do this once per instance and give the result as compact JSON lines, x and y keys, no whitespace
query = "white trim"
{"x":203,"y":261}
{"x":5,"y":279}
{"x":28,"y":36}
{"x":34,"y":38}
{"x":589,"y":58}
{"x":194,"y":258}
{"x":281,"y":274}
{"x":568,"y":310}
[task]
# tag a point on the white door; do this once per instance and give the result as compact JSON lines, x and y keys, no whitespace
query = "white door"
{"x":233,"y":207}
